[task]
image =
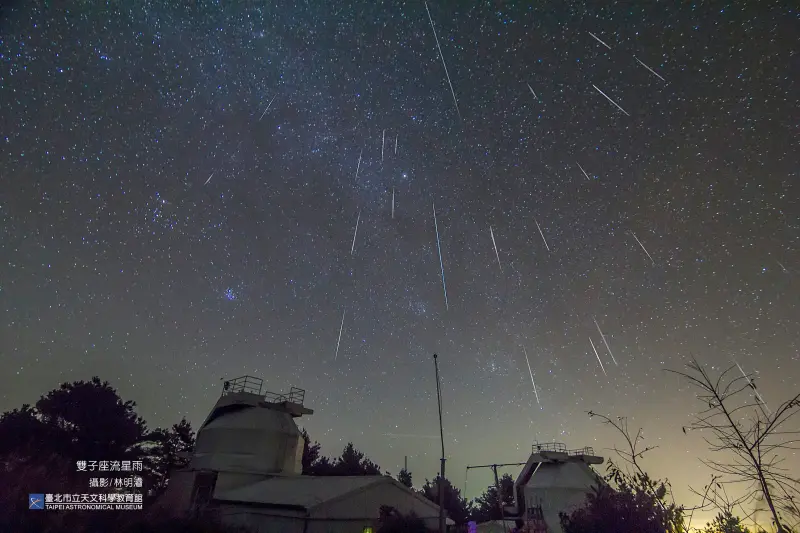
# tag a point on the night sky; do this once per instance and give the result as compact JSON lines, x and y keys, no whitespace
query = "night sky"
{"x":181,"y":184}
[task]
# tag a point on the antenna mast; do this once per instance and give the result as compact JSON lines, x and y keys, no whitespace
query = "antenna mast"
{"x":442,"y":521}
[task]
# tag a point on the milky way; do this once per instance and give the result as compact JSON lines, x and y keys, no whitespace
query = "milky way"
{"x":179,"y":197}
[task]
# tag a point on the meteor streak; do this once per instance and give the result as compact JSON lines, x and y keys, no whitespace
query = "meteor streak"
{"x":531,"y":373}
{"x":352,"y":248}
{"x":443,"y":63}
{"x":598,"y":356}
{"x":542,"y":234}
{"x":596,"y":38}
{"x":604,"y":340}
{"x":495,"y":249}
{"x":610,"y":100}
{"x":441,"y":263}
{"x":340,"y":337}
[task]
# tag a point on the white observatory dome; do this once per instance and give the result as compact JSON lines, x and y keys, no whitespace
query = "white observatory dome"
{"x":251,"y":432}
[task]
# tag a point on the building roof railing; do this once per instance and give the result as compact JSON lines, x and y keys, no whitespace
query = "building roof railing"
{"x":549,"y":447}
{"x":560,"y":448}
{"x":294,"y":395}
{"x":253,"y":385}
{"x":247,"y":384}
{"x":586,"y":450}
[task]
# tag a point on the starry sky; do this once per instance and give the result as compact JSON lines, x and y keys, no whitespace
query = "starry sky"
{"x":181,"y":184}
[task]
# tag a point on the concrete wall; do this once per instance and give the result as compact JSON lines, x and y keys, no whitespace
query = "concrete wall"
{"x":233,"y":480}
{"x":558,"y":488}
{"x":250,"y":439}
{"x":334,"y":526}
{"x":554,"y":502}
{"x":258,"y":520}
{"x":274,"y":521}
{"x":367,"y":504}
{"x":264,"y":521}
{"x":348,"y":515}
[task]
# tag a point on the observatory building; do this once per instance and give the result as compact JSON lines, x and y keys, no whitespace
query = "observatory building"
{"x":554,"y":480}
{"x":246,"y":469}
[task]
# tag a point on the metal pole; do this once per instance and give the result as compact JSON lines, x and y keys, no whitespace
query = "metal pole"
{"x":442,"y":522}
{"x":499,"y":497}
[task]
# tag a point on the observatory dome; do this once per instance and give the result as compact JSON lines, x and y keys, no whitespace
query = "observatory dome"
{"x":253,"y":433}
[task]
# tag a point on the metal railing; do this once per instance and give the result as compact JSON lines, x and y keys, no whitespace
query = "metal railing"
{"x":549,"y":447}
{"x":560,"y":448}
{"x":254,"y":385}
{"x":243,"y":384}
{"x":586,"y":450}
{"x":294,"y":395}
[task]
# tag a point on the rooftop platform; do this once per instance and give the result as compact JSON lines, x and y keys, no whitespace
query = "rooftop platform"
{"x":557,"y":451}
{"x":252,"y":388}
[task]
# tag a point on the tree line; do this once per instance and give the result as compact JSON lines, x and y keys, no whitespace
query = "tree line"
{"x":41,"y":444}
{"x":353,"y":462}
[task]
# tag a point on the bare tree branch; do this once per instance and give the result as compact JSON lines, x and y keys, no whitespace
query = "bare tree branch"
{"x":748,"y":434}
{"x":633,"y":454}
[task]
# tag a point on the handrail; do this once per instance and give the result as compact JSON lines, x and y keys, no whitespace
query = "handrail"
{"x":253,"y":385}
{"x":560,"y":448}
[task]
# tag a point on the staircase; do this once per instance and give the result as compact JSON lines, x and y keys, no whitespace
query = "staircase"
{"x":536,"y":523}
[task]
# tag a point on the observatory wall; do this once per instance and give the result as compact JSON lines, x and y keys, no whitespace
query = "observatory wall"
{"x":250,"y":439}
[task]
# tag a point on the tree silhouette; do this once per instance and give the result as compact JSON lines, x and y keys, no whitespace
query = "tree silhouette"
{"x":404,"y":477}
{"x":83,"y":420}
{"x":18,"y":475}
{"x":626,"y":500}
{"x":485,"y":506}
{"x":171,"y":451}
{"x":353,"y":463}
{"x":457,"y":507}
{"x":752,"y":440}
{"x":311,"y":453}
{"x":78,"y":421}
{"x":391,"y":521}
{"x":23,"y":434}
{"x":725,"y":522}
{"x":628,"y":508}
{"x":88,"y":421}
{"x":323,"y":467}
